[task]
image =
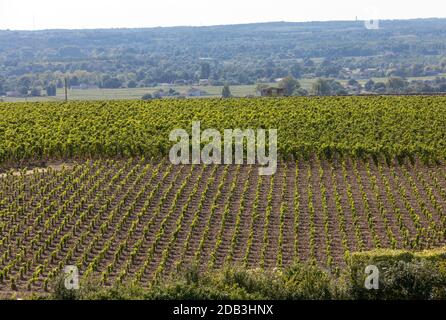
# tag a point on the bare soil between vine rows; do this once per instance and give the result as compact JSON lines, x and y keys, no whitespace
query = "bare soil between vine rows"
{"x":137,"y":220}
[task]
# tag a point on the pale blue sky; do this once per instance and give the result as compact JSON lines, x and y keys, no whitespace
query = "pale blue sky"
{"x":49,"y":14}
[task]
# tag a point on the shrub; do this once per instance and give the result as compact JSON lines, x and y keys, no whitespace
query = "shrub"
{"x":147,"y":96}
{"x":60,"y":292}
{"x":403,"y":275}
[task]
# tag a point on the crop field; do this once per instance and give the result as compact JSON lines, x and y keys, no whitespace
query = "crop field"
{"x":390,"y":127}
{"x":354,"y":174}
{"x":137,"y":220}
{"x":137,"y":93}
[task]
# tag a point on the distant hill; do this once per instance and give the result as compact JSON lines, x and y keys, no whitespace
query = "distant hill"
{"x":238,"y":54}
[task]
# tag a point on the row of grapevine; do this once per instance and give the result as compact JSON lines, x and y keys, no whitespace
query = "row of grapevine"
{"x":388,"y":127}
{"x":140,"y":220}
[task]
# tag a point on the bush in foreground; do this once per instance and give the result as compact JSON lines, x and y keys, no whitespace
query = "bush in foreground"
{"x":403,"y":275}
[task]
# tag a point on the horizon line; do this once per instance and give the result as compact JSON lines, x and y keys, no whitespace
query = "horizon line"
{"x":213,"y":25}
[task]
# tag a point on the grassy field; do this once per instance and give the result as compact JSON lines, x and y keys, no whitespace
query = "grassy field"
{"x":384,"y":79}
{"x":137,"y":93}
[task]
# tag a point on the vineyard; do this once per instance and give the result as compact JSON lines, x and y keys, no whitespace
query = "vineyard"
{"x":355,"y":174}
{"x":351,"y":126}
{"x":137,"y":220}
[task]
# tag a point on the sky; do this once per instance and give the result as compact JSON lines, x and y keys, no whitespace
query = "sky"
{"x":81,"y":14}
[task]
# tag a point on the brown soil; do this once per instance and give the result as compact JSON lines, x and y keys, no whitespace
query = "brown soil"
{"x":101,"y":209}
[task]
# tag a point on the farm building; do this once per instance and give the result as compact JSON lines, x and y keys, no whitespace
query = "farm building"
{"x":273,"y":92}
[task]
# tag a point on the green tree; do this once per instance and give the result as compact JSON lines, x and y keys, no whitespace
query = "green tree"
{"x":23,"y":90}
{"x":353,"y":82}
{"x":396,"y":85}
{"x":110,"y":83}
{"x":308,"y":62}
{"x":35,"y":92}
{"x":131,"y":84}
{"x":379,"y":87}
{"x":51,"y":90}
{"x":74,"y":81}
{"x":226,"y":92}
{"x":296,"y":70}
{"x":24,"y":84}
{"x":205,"y":72}
{"x":301,"y":92}
{"x":290,"y":85}
{"x":369,"y":85}
{"x":417,"y":70}
{"x":320,"y":87}
{"x":147,"y":96}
